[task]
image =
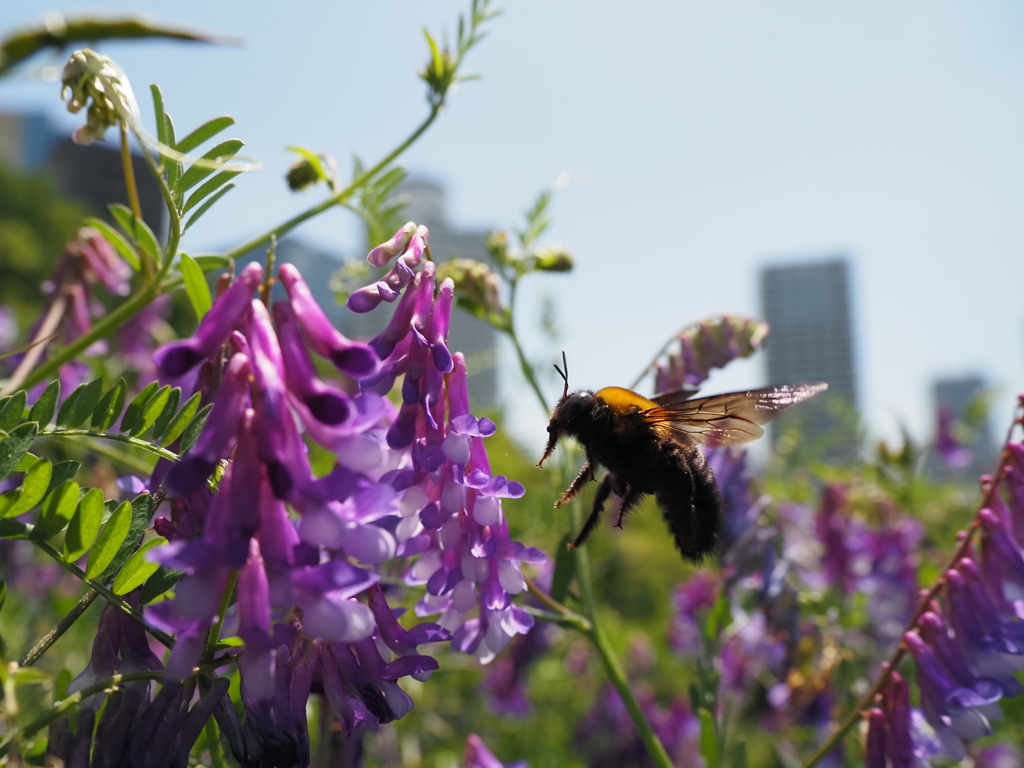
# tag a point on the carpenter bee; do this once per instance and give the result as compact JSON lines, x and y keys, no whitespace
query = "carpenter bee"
{"x":650,"y":446}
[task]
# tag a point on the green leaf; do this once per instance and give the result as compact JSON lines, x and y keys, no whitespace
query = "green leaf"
{"x":160,"y":425}
{"x":62,"y":470}
{"x":11,"y":411}
{"x":44,"y":408}
{"x":34,"y":486}
{"x":173,"y":166}
{"x":26,"y":462}
{"x":193,"y":429}
{"x":739,"y":755}
{"x":158,"y":108}
{"x":109,"y":542}
{"x":3,"y":593}
{"x":134,"y":411}
{"x":212,"y":185}
{"x":213,"y":159}
{"x":153,"y":408}
{"x":138,"y":229}
{"x":57,"y":510}
{"x":565,"y":569}
{"x":67,"y":408}
{"x":109,"y":407}
{"x":138,"y":569}
{"x":123,"y":247}
{"x":211,"y":262}
{"x":195,"y":286}
{"x":30,"y":676}
{"x":142,"y":508}
{"x":16,"y":445}
{"x":708,"y":742}
{"x":86,"y":403}
{"x":207,"y":206}
{"x":84,"y":526}
{"x":181,"y":419}
{"x":160,"y":582}
{"x":205,"y":131}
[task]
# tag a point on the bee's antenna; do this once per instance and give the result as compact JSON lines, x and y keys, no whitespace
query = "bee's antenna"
{"x":564,"y":374}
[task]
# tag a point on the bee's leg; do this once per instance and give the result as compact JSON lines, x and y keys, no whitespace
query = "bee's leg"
{"x":586,"y":475}
{"x":630,"y":502}
{"x":604,"y":490}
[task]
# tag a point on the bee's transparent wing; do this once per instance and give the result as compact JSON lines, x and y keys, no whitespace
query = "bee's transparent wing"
{"x":734,"y":418}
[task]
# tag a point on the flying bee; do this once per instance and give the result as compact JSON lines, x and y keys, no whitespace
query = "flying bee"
{"x":650,"y":446}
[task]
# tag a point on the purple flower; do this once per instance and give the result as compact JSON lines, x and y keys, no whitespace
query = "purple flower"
{"x":689,"y":601}
{"x":833,"y":528}
{"x":874,"y":753}
{"x":177,"y":359}
{"x":954,"y":454}
{"x":412,"y":247}
{"x":711,"y":343}
{"x":477,"y":755}
{"x":350,"y":357}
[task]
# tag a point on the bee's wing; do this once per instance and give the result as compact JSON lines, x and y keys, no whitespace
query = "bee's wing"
{"x":734,"y":418}
{"x":674,"y":397}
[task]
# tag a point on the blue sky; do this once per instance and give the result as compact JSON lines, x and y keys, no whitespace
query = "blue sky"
{"x":704,"y":141}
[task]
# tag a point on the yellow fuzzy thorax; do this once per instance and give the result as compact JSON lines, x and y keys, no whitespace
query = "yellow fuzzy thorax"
{"x":623,"y":401}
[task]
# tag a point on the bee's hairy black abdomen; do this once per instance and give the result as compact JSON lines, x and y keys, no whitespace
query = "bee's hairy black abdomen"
{"x":690,"y":503}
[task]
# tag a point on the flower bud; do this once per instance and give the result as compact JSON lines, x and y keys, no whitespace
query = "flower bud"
{"x":302,"y":173}
{"x":553,"y":258}
{"x":476,"y":286}
{"x":90,"y":75}
{"x":496,"y":244}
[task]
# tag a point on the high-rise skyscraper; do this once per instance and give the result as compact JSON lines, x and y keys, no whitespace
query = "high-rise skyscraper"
{"x":808,"y":307}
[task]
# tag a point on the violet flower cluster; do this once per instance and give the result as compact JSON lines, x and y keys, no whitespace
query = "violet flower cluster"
{"x":411,"y":482}
{"x":966,"y":647}
{"x":710,"y":343}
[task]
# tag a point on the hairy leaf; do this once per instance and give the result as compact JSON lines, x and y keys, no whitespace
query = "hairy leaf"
{"x":153,"y":408}
{"x":216,"y":157}
{"x":181,"y":419}
{"x":195,"y":286}
{"x":142,"y":509}
{"x":67,"y":408}
{"x":110,"y":540}
{"x":209,"y":187}
{"x":44,"y":408}
{"x":205,"y":131}
{"x":138,"y":569}
{"x":34,"y":486}
{"x":86,"y":403}
{"x":193,"y":429}
{"x":11,"y":410}
{"x":57,"y":510}
{"x":160,"y":582}
{"x":134,"y":411}
{"x":15,"y":446}
{"x":207,"y":206}
{"x":166,"y":414}
{"x":84,"y":526}
{"x":109,"y":407}
{"x":62,"y":470}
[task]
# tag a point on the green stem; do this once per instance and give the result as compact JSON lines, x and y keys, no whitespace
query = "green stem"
{"x":109,"y":596}
{"x":63,"y":626}
{"x":134,"y":441}
{"x":612,"y":668}
{"x":341,"y":197}
{"x":213,"y":746}
{"x":174,"y":236}
{"x":133,"y":198}
{"x":509,"y":327}
{"x":225,"y":601}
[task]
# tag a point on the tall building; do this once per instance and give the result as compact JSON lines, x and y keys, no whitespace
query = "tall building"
{"x":808,"y":307}
{"x":91,"y":176}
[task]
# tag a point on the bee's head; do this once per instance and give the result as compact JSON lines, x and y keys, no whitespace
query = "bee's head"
{"x":567,"y":413}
